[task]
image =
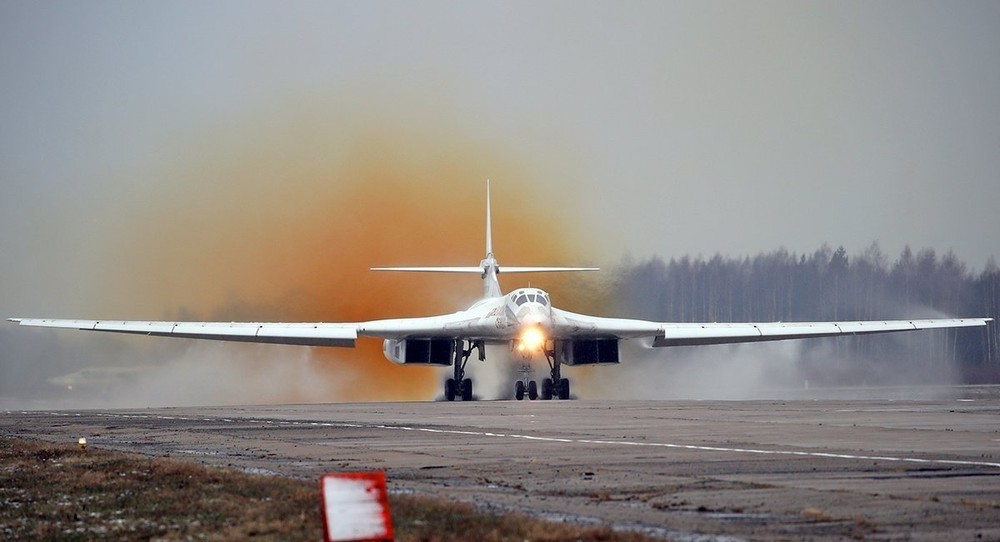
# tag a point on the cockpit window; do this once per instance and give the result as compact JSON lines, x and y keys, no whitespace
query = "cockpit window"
{"x":521,"y":297}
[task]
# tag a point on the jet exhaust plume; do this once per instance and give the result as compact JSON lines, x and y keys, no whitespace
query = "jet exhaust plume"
{"x":242,"y":223}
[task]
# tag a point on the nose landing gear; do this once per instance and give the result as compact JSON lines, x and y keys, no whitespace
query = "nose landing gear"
{"x":554,"y":386}
{"x":526,"y":387}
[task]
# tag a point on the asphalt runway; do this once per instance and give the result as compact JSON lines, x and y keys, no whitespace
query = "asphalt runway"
{"x":816,"y":468}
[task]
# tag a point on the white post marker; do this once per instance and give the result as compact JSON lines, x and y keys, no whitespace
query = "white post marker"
{"x":356,"y":507}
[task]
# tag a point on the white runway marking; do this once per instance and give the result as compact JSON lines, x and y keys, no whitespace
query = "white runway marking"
{"x":757,"y":451}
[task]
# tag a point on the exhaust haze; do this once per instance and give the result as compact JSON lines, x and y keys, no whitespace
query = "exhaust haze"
{"x":240,"y":224}
{"x":779,"y":370}
{"x":227,"y":161}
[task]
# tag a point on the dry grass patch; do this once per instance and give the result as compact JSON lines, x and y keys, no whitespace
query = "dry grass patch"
{"x":980,"y":504}
{"x":58,"y":492}
{"x":816,"y":514}
{"x":49,"y":492}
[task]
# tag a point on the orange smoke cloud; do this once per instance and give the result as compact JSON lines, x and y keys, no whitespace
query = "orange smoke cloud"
{"x":283,"y":224}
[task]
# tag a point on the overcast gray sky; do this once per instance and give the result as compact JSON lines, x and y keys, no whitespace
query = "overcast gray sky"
{"x":664,"y":128}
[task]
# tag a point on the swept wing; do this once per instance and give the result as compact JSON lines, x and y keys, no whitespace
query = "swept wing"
{"x":304,"y":334}
{"x":463,"y":325}
{"x":692,"y":334}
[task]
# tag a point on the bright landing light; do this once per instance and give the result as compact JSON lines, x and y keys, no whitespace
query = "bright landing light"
{"x":531,"y":339}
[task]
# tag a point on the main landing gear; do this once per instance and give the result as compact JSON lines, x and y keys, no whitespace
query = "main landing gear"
{"x":554,"y":386}
{"x":459,"y":386}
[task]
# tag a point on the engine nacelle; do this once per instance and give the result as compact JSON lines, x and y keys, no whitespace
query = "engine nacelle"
{"x":419,"y":351}
{"x":590,"y":351}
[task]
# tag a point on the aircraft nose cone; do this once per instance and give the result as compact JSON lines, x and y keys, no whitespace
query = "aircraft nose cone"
{"x":535,"y":316}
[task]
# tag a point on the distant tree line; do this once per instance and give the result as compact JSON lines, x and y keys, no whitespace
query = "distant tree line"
{"x":830,"y":285}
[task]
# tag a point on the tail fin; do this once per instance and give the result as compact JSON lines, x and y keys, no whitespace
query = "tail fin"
{"x":488,"y":268}
{"x":489,"y":223}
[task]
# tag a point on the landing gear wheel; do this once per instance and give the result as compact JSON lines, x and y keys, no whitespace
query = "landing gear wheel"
{"x":458,"y":385}
{"x":547,"y":389}
{"x":519,"y":390}
{"x":555,"y":385}
{"x":532,"y":390}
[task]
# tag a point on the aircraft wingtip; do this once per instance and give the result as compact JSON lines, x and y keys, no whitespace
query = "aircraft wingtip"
{"x":15,"y":320}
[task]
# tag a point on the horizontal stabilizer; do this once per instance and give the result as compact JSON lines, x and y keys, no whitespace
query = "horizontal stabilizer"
{"x":501,"y":269}
{"x":507,"y":269}
{"x":477,"y":270}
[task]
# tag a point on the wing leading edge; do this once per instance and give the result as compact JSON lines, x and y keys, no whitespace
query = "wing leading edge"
{"x":461,"y":325}
{"x":705,"y":334}
{"x":693,"y":334}
{"x":302,"y":334}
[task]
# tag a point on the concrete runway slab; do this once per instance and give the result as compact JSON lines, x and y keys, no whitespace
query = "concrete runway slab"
{"x":883,"y":469}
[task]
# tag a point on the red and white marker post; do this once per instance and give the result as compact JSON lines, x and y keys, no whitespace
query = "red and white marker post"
{"x":356,"y":507}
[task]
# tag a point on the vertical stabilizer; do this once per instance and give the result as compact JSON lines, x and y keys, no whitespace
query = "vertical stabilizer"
{"x":491,"y":285}
{"x":488,"y":268}
{"x":489,"y":222}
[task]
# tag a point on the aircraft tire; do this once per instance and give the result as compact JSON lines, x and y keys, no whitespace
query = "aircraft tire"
{"x":449,"y":389}
{"x":467,"y":389}
{"x":532,"y":390}
{"x":564,"y":388}
{"x":519,"y":390}
{"x":547,"y":389}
